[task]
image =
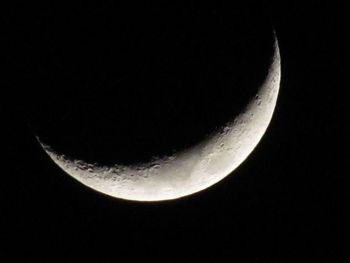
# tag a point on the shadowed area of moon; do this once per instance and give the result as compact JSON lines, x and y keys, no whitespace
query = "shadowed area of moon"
{"x":125,"y":85}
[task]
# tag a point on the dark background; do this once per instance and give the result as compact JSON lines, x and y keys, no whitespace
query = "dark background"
{"x":288,"y":201}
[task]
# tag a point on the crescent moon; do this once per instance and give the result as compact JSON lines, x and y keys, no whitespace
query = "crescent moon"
{"x":189,"y":171}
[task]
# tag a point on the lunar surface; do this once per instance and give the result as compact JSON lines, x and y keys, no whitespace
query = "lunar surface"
{"x":190,"y":170}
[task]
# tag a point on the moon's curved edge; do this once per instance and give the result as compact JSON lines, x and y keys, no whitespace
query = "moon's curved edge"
{"x":189,"y":172}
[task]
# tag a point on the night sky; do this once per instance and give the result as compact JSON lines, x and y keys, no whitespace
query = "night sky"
{"x":112,"y":82}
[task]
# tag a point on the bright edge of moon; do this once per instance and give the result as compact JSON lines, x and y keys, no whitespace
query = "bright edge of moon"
{"x":192,"y":170}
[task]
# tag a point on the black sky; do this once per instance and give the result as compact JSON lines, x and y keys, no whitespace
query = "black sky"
{"x":288,"y":201}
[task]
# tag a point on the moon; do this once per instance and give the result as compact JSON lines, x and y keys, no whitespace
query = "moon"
{"x":191,"y":170}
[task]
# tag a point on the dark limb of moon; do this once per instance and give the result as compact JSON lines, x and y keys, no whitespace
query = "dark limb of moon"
{"x":165,"y":112}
